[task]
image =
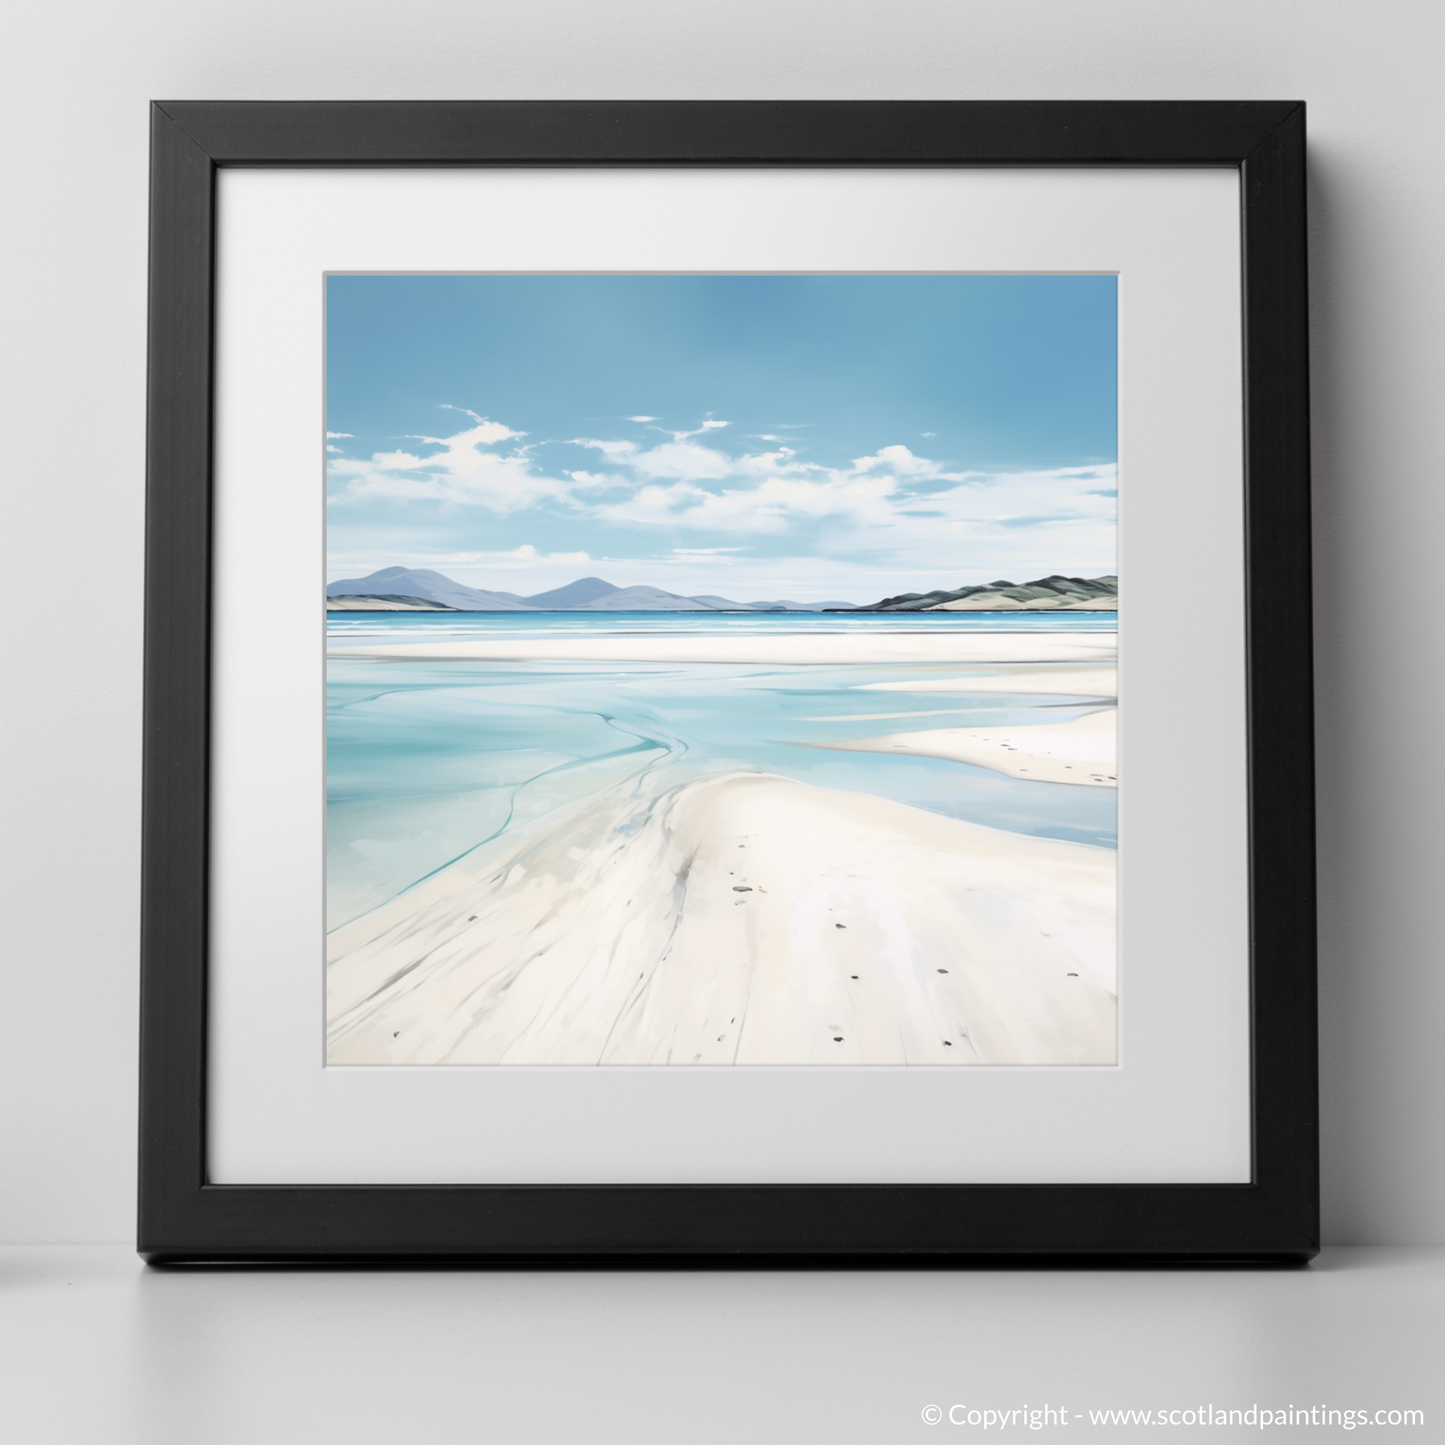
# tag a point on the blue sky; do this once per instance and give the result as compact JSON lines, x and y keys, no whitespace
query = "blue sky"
{"x":810,"y":437}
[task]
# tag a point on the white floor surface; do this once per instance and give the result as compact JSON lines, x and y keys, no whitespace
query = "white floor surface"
{"x":96,"y":1348}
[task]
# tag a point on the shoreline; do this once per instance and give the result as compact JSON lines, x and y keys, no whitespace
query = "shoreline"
{"x":1082,"y":681}
{"x":1081,"y":753}
{"x":713,"y":611}
{"x":798,"y":648}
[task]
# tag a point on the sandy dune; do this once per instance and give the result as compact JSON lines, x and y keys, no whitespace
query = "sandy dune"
{"x":1083,"y":751}
{"x":1074,"y":681}
{"x":742,"y":919}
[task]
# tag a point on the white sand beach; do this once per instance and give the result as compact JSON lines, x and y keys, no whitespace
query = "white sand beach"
{"x":1083,"y":751}
{"x":1065,"y":682}
{"x":738,"y":919}
{"x":924,"y":645}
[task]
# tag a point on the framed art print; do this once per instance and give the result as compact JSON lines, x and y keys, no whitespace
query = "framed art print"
{"x":599,"y":825}
{"x":728,"y":680}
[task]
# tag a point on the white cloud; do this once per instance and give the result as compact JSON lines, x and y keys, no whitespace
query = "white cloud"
{"x":461,"y":473}
{"x":895,"y":517}
{"x":771,"y":488}
{"x":767,"y":507}
{"x":639,"y":418}
{"x":475,"y":567}
{"x":485,"y":433}
{"x":680,"y":460}
{"x":528,"y":556}
{"x":597,"y":481}
{"x":1027,"y":522}
{"x":337,"y":435}
{"x":683,"y":460}
{"x":901,"y":462}
{"x":497,"y":431}
{"x":894,"y":513}
{"x":616,"y":451}
{"x":708,"y":425}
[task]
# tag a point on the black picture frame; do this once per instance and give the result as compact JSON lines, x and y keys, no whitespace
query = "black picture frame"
{"x":184,"y":1217}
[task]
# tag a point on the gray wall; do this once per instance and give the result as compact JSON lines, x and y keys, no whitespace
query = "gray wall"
{"x":78,"y":74}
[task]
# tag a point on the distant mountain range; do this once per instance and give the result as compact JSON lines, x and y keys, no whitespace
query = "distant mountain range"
{"x":418,"y":589}
{"x":411,"y":589}
{"x":423,"y":584}
{"x":1047,"y":594}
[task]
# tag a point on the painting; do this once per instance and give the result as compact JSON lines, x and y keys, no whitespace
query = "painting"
{"x":721,"y":670}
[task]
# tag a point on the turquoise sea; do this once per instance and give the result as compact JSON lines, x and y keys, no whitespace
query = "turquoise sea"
{"x":426,"y":760}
